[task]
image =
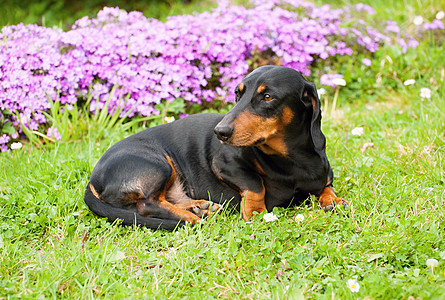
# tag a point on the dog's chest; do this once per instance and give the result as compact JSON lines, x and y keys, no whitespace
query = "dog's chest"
{"x":293,"y":185}
{"x":284,"y":193}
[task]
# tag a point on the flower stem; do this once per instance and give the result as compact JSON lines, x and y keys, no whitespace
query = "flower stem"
{"x":334,"y":103}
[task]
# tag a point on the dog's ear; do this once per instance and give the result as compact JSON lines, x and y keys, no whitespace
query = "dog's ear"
{"x":312,"y":102}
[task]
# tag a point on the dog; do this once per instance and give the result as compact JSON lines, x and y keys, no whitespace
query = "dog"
{"x":267,"y":151}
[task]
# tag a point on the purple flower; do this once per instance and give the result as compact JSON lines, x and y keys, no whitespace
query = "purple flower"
{"x":436,"y":24}
{"x":128,"y":62}
{"x":54,"y":133}
{"x":4,"y":139}
{"x":392,"y":26}
{"x":332,"y":80}
{"x":366,"y":61}
{"x":364,"y":7}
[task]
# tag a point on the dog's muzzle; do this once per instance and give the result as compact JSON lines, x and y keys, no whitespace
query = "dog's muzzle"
{"x":224,"y":133}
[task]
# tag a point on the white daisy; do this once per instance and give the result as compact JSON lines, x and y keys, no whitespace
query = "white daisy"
{"x":270,"y":217}
{"x":353,"y":285}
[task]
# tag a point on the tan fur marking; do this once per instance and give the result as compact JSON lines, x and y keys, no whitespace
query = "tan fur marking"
{"x":259,"y":168}
{"x":287,"y":116}
{"x":314,"y":103}
{"x":177,"y":197}
{"x":181,"y":213}
{"x":172,"y":176}
{"x":93,"y":190}
{"x":241,"y":87}
{"x":329,"y":181}
{"x":190,"y":204}
{"x":249,"y":128}
{"x":261,"y":88}
{"x":162,"y":201}
{"x":175,"y":194}
{"x":179,"y":202}
{"x":251,"y":202}
{"x":328,"y":196}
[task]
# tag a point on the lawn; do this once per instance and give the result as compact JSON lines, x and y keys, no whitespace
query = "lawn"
{"x":392,"y":174}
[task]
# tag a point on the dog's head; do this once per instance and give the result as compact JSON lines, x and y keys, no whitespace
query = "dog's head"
{"x":273,"y":104}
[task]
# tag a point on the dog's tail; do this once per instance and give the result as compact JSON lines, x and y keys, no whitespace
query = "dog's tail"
{"x":112,"y":213}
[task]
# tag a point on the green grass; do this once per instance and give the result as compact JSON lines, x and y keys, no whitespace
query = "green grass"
{"x":53,"y":247}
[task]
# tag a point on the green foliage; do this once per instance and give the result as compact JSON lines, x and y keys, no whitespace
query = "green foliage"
{"x":63,"y":13}
{"x":74,"y":122}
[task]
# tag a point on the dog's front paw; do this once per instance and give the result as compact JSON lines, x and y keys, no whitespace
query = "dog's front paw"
{"x":334,"y":202}
{"x":329,"y":207}
{"x":206,"y":209}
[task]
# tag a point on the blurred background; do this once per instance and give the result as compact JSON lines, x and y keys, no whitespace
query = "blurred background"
{"x":63,"y":13}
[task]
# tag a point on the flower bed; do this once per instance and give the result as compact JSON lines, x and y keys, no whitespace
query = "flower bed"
{"x":194,"y":57}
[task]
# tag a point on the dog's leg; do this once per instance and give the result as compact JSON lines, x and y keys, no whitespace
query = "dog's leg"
{"x":249,"y":184}
{"x":178,"y":198}
{"x":201,"y":208}
{"x":328,"y":199}
{"x":251,"y":201}
{"x":146,"y":188}
{"x":173,"y":200}
{"x":145,"y":208}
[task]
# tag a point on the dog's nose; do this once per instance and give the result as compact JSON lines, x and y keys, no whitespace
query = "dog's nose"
{"x":223,"y":132}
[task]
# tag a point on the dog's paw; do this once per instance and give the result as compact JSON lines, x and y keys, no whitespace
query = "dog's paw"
{"x":206,"y":209}
{"x":337,"y":201}
{"x":330,"y":207}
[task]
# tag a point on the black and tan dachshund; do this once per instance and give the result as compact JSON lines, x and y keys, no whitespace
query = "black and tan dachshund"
{"x":267,"y":151}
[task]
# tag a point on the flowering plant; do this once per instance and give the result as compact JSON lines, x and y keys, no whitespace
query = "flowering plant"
{"x":270,"y":217}
{"x":353,"y":285}
{"x":129,"y":63}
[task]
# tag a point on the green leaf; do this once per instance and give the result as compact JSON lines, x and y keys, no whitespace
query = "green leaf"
{"x":8,"y":128}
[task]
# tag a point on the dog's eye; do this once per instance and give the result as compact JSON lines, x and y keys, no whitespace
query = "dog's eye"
{"x":267,"y":97}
